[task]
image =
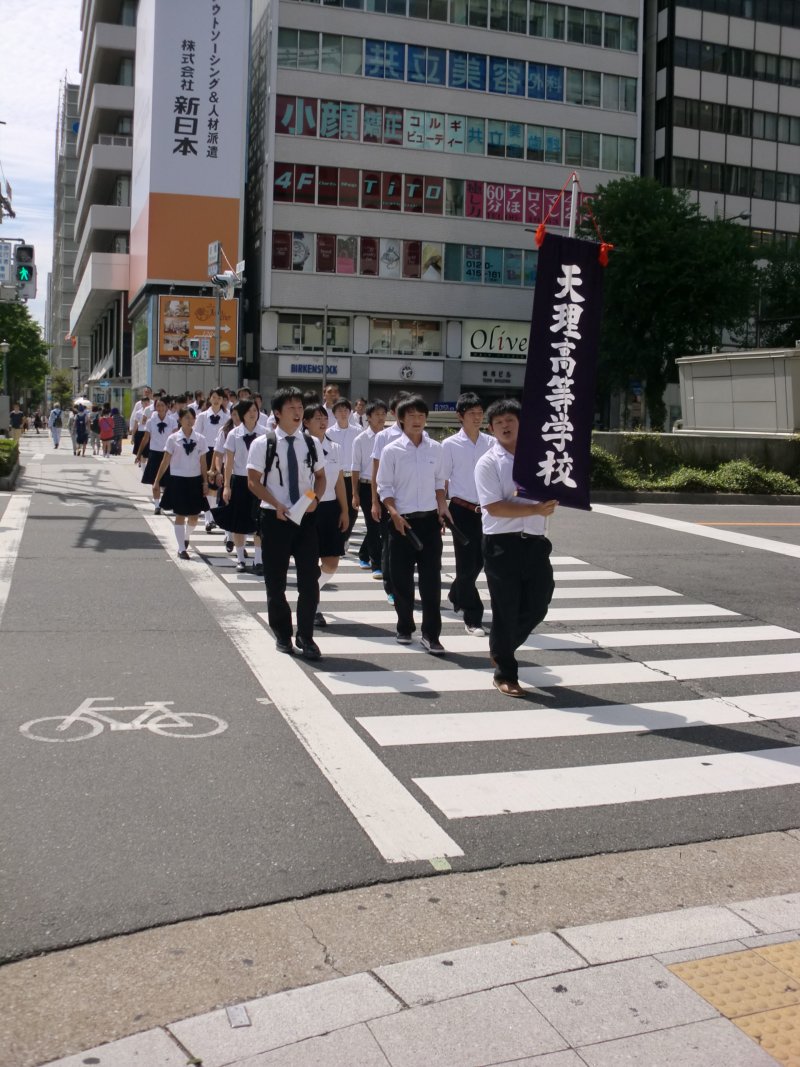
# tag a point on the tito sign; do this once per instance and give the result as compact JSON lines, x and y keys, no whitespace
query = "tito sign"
{"x":489,"y":339}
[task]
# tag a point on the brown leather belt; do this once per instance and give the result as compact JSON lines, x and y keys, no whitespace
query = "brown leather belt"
{"x":468,"y":504}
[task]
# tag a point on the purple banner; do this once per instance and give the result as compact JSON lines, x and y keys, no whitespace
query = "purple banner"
{"x":552,"y":458}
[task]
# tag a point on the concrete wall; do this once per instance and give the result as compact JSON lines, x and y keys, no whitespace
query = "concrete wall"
{"x":704,"y":450}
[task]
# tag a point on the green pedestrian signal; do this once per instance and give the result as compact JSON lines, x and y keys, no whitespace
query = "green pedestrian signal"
{"x":194,"y":348}
{"x":23,"y":273}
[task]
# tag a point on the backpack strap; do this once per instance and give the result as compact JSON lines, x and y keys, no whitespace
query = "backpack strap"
{"x":272,"y":448}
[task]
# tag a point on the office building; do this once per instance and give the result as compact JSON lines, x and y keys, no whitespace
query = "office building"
{"x":401,"y":151}
{"x":722,"y":108}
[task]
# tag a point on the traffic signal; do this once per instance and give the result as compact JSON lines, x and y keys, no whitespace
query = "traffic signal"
{"x":194,"y":348}
{"x":25,"y":271}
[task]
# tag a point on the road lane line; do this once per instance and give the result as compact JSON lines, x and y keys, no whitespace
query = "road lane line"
{"x":397,"y":824}
{"x":522,"y":725}
{"x":743,"y":540}
{"x":475,"y":795}
{"x":12,"y":523}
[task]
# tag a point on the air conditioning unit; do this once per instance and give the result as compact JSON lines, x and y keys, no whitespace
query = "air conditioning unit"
{"x":119,"y":244}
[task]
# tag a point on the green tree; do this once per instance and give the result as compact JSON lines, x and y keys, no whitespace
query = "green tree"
{"x":675,"y":280}
{"x":61,"y":388}
{"x":27,"y":354}
{"x":777,"y":308}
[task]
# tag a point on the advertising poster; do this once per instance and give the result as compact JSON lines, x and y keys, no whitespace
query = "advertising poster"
{"x":326,"y":253}
{"x":369,"y":256}
{"x":412,"y":259}
{"x":346,"y":252}
{"x":391,"y":259}
{"x":302,"y":251}
{"x":181,"y":318}
{"x":281,"y":250}
{"x":432,"y":264}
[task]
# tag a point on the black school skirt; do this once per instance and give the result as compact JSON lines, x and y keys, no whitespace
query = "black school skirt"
{"x":329,"y":536}
{"x":151,"y":469}
{"x":184,"y":496}
{"x":238,"y":515}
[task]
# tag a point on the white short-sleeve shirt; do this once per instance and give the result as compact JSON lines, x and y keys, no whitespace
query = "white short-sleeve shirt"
{"x":185,"y":464}
{"x":332,"y":457}
{"x":411,"y":474}
{"x":460,"y":457}
{"x":239,"y":441}
{"x":494,"y":480}
{"x":277,"y":479}
{"x":158,"y":437}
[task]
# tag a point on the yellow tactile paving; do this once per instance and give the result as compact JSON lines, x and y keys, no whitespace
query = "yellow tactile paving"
{"x":739,"y":983}
{"x":777,"y":1032}
{"x":758,"y":990}
{"x":786,"y":957}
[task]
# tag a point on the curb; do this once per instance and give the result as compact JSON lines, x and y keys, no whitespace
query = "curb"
{"x":622,"y":496}
{"x":8,"y":481}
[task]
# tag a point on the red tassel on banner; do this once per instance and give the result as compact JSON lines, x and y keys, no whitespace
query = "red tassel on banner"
{"x":540,"y":232}
{"x":605,"y":248}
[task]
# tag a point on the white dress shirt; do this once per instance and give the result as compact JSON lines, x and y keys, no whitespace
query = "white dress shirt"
{"x":278,"y":478}
{"x":361,"y":459}
{"x":383,"y":438}
{"x":181,"y":465}
{"x":494,"y":481}
{"x":265,"y":422}
{"x":460,"y":457}
{"x":359,"y":420}
{"x":140,"y":414}
{"x":235,"y":443}
{"x":344,"y":438}
{"x":219,"y":441}
{"x":411,"y":474}
{"x":158,"y":438}
{"x":332,"y":458}
{"x":205,"y":425}
{"x":331,"y":416}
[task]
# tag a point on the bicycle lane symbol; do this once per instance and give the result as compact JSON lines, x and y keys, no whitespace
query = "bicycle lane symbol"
{"x":92,"y":716}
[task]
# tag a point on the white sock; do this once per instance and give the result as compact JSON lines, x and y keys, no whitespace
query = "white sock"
{"x":180,"y":536}
{"x":257,"y":554}
{"x":228,"y":536}
{"x":188,"y":533}
{"x":325,"y":577}
{"x":240,"y":553}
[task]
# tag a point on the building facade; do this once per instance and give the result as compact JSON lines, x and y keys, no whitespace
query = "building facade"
{"x":99,"y":314}
{"x":401,"y":151}
{"x":64,"y":354}
{"x":722,"y":108}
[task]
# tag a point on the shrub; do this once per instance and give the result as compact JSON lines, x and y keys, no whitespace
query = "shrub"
{"x":742,"y":476}
{"x":608,"y":471}
{"x":9,"y":457}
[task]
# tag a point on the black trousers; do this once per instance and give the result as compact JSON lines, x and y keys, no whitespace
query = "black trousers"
{"x":370,"y":550}
{"x":403,"y":558}
{"x":385,"y":526}
{"x":469,"y":564}
{"x":282,"y":540}
{"x":520,"y":578}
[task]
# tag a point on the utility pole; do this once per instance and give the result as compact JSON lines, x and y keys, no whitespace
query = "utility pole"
{"x":324,"y":351}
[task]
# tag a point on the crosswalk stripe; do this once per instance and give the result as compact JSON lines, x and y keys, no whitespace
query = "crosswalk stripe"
{"x":448,"y":680}
{"x":347,"y":646}
{"x":596,"y":719}
{"x":349,"y":578}
{"x":570,"y":593}
{"x":474,"y":795}
{"x":388,"y":617}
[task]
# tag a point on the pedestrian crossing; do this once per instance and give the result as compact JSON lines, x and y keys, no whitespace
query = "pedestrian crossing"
{"x":688,"y":700}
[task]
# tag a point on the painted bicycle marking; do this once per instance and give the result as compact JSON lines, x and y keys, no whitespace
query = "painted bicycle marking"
{"x":92,"y":716}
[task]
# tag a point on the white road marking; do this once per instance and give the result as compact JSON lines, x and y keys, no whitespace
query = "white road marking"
{"x":596,"y":639}
{"x":449,"y":680}
{"x":570,"y":593}
{"x":475,"y":795}
{"x":597,"y":719}
{"x":388,"y":617}
{"x":397,"y":824}
{"x":12,"y":524}
{"x":729,"y":536}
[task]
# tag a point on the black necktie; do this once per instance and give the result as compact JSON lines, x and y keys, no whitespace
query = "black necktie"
{"x":248,"y":439}
{"x":161,"y":427}
{"x":291,"y":466}
{"x":188,"y":445}
{"x":214,"y":419}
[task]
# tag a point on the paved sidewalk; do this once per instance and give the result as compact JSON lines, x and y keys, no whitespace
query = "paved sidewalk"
{"x":627,"y":992}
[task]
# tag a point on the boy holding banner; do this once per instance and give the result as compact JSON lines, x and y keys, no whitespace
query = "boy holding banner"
{"x":516,"y":551}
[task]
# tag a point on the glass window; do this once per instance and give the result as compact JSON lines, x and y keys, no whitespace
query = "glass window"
{"x":478,"y":13}
{"x":458,"y":12}
{"x":518,"y":16}
{"x":378,"y":6}
{"x":555,"y":22}
{"x":574,"y":86}
{"x":629,"y":36}
{"x":611,"y":92}
{"x":591,"y":149}
{"x":473,"y":264}
{"x":437,"y":10}
{"x":437,"y":66}
{"x":308,"y":51}
{"x":512,"y":266}
{"x":537,"y":77}
{"x":538,"y":18}
{"x":455,"y":135}
{"x":287,"y":48}
{"x":331,"y":52}
{"x":534,"y":143}
{"x":454,"y":197}
{"x":555,"y":83}
{"x":611,"y":35}
{"x":351,"y":55}
{"x":515,"y":140}
{"x":453,"y":258}
{"x":396,"y":7}
{"x":498,"y":18}
{"x":515,"y":77}
{"x":593,"y":27}
{"x":627,"y":155}
{"x":575,"y":25}
{"x":627,"y":101}
{"x":476,"y":136}
{"x":493,"y":266}
{"x":530,"y":261}
{"x":496,"y":140}
{"x":573,"y":148}
{"x":553,"y":145}
{"x":610,"y":152}
{"x":591,"y":88}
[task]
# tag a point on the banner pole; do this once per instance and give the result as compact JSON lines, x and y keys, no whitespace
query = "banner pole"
{"x":573,"y":205}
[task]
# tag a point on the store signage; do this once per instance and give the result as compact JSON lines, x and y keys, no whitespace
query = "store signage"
{"x":489,"y":339}
{"x":310,"y":366}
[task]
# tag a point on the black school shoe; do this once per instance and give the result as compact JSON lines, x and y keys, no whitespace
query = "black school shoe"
{"x":284,"y":646}
{"x":183,"y":554}
{"x":432,"y":645}
{"x":320,"y":620}
{"x":308,"y":649}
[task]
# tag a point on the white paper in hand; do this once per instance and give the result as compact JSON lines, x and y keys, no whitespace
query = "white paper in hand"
{"x":300,"y":507}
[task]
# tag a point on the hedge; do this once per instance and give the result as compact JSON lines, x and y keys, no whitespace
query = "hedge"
{"x":9,"y":457}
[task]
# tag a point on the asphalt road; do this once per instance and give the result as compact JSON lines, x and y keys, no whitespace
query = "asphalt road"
{"x":300,"y":789}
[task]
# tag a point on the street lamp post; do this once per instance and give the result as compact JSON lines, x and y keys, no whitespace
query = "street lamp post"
{"x":4,"y":349}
